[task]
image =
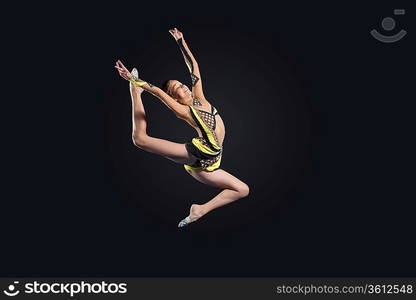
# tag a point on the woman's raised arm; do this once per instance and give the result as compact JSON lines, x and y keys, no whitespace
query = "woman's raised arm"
{"x":181,"y":111}
{"x":191,"y":63}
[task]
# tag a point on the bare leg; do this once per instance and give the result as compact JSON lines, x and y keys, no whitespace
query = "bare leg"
{"x":173,"y":151}
{"x":234,"y":189}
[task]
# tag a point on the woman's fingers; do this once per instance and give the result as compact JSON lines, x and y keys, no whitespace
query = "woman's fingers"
{"x":174,"y":32}
{"x":119,"y":66}
{"x":122,"y":75}
{"x":122,"y":70}
{"x":122,"y":65}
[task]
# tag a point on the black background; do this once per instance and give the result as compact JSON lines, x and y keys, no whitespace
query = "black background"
{"x":319,"y":124}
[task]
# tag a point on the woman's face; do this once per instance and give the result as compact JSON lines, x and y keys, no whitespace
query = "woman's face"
{"x":178,"y":90}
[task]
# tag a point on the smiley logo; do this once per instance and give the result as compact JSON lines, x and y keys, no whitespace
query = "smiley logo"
{"x":12,"y":291}
{"x":389,"y":24}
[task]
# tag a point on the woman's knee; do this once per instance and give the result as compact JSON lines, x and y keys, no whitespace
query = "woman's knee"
{"x":243,"y":190}
{"x":140,"y":139}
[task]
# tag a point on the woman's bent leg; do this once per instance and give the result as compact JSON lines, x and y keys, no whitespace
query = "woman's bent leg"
{"x":233,"y":189}
{"x":173,"y":151}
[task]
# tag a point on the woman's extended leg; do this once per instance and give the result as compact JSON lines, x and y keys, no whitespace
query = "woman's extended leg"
{"x":234,"y":189}
{"x":173,"y":151}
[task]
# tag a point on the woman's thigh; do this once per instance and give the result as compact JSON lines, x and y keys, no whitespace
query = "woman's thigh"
{"x":218,"y":178}
{"x":174,"y":151}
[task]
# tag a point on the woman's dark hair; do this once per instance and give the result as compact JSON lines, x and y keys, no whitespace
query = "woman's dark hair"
{"x":165,"y":86}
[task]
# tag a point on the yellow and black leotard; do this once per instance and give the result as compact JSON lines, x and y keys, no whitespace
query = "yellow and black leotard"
{"x":205,"y":148}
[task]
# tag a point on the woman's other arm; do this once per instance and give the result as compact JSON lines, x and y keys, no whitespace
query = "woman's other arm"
{"x":181,"y":111}
{"x":191,"y":63}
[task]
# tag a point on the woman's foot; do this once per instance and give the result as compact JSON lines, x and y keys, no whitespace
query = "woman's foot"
{"x":134,"y":88}
{"x":195,"y":213}
{"x":135,"y":73}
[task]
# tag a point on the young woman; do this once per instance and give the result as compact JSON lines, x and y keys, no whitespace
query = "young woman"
{"x":202,"y":156}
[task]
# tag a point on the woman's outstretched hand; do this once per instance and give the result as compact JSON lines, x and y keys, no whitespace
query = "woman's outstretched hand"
{"x":122,"y":70}
{"x":176,"y":33}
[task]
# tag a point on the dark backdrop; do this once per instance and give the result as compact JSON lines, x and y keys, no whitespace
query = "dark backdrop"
{"x":319,"y":124}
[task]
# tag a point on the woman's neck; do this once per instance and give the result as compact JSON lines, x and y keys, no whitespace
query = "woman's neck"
{"x":187,"y":101}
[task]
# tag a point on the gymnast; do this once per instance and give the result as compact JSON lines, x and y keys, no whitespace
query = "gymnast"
{"x":202,"y":156}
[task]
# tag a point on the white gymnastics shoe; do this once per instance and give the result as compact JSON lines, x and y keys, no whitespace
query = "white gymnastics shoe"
{"x":185,"y":222}
{"x":135,"y":73}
